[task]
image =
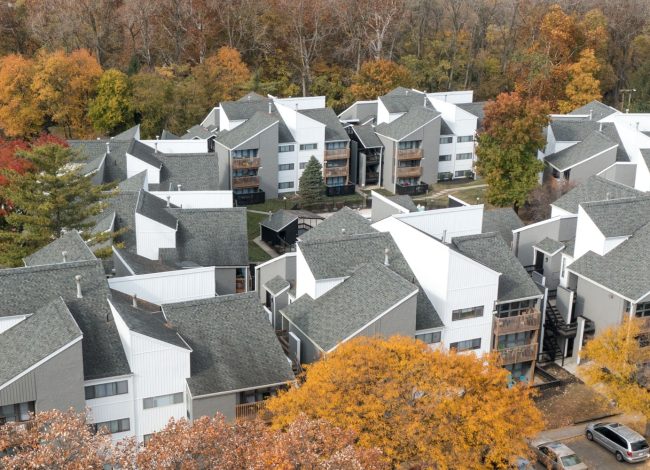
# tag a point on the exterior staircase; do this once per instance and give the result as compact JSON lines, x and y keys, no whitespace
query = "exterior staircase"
{"x":283,"y":338}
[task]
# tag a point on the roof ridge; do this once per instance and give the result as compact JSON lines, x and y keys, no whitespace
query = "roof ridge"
{"x":619,"y":200}
{"x":46,"y":267}
{"x":217,"y":299}
{"x":342,"y":237}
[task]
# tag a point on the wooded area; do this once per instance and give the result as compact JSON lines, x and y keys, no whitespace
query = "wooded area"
{"x":166,"y":63}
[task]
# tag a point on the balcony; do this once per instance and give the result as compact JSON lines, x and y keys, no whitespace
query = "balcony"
{"x":248,"y":199}
{"x":372,"y":177}
{"x":412,"y":189}
{"x":409,"y":171}
{"x":245,"y":163}
{"x":245,"y":182}
{"x":338,"y":154}
{"x":335,"y":171}
{"x":251,"y":411}
{"x":372,"y":159}
{"x":524,"y":322}
{"x":343,"y":190}
{"x":409,"y":154}
{"x":524,"y":353}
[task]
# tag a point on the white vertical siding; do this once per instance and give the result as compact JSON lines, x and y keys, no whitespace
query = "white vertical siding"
{"x":305,"y":281}
{"x":135,"y":166}
{"x":325,"y":285}
{"x":452,"y":222}
{"x":151,"y":236}
{"x":588,"y":236}
{"x":179,"y":146}
{"x":112,"y":408}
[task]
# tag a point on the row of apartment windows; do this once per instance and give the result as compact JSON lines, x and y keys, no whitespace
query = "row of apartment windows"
{"x":246,"y":153}
{"x":335,"y":145}
{"x":468,"y":345}
{"x":462,"y":138}
{"x":459,"y":156}
{"x":244,"y":172}
{"x":106,"y":390}
{"x":162,"y":400}
{"x":285,"y":148}
{"x":285,"y":166}
{"x":465,"y":313}
{"x":335,"y":181}
{"x":408,"y":163}
{"x":407,"y":181}
{"x":514,"y":309}
{"x":430,"y":338}
{"x":514,"y":339}
{"x":115,"y":426}
{"x":18,"y":412}
{"x":410,"y":144}
{"x":447,"y":175}
{"x":308,"y":146}
{"x":285,"y":185}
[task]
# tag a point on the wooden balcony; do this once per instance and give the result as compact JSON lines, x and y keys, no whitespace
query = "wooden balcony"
{"x":524,"y":353}
{"x":409,"y":154}
{"x":258,"y":197}
{"x":409,"y":172}
{"x":525,"y":322}
{"x":251,"y":411}
{"x":335,"y":171}
{"x":412,"y":189}
{"x":245,"y":181}
{"x":343,"y":190}
{"x":245,"y":163}
{"x":338,"y":154}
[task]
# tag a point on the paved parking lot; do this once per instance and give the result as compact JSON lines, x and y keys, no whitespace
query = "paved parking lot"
{"x":596,"y":457}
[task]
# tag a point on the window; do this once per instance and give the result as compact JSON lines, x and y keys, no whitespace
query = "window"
{"x":246,"y":153}
{"x":514,"y":339}
{"x":512,"y":309}
{"x":465,"y":138}
{"x":408,"y":163}
{"x":335,"y":181}
{"x":336,"y":163}
{"x":465,"y":313}
{"x":410,"y":144}
{"x":468,"y":345}
{"x":107,"y":390}
{"x":308,"y":146}
{"x":162,"y":400}
{"x":244,"y":172}
{"x":303,"y":165}
{"x":18,"y":412}
{"x":335,"y":145}
{"x":287,"y":185}
{"x":643,"y":310}
{"x":446,"y":140}
{"x":285,"y":148}
{"x":463,"y":173}
{"x":444,"y":158}
{"x":118,"y":425}
{"x":430,"y":338}
{"x":464,"y":156}
{"x":285,"y":166}
{"x":445,"y":175}
{"x":146,"y":438}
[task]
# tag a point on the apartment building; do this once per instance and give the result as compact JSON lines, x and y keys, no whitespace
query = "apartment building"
{"x":407,"y":129}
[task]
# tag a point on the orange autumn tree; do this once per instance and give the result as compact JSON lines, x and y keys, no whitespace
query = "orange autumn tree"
{"x":378,"y":77}
{"x":223,"y":76}
{"x":420,"y":407}
{"x":19,"y":114}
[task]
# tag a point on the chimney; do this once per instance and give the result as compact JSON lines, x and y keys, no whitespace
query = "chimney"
{"x":65,"y":256}
{"x":155,"y":146}
{"x":248,"y":98}
{"x":108,"y":147}
{"x":157,"y":137}
{"x":169,"y":201}
{"x":407,"y":92}
{"x":135,"y":301}
{"x":444,"y":235}
{"x":180,"y":186}
{"x":343,"y":231}
{"x":270,"y":107}
{"x":386,"y":257}
{"x":591,"y":114}
{"x":425,"y":101}
{"x":600,"y":127}
{"x":77,"y":279}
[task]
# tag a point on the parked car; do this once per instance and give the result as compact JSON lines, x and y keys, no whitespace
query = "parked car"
{"x":558,"y":456}
{"x":627,"y":444}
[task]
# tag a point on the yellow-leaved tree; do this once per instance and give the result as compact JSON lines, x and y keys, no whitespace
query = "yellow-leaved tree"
{"x":420,"y":407}
{"x":19,"y":115}
{"x":583,"y":86}
{"x":615,"y":362}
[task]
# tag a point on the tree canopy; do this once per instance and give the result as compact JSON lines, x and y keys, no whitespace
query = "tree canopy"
{"x":312,"y":187}
{"x":419,"y":406}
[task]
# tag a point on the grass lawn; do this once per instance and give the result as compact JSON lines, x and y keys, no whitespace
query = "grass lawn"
{"x":463,"y":183}
{"x":255,"y":253}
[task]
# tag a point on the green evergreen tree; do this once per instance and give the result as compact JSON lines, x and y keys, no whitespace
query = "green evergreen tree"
{"x":312,"y":186}
{"x":53,"y":196}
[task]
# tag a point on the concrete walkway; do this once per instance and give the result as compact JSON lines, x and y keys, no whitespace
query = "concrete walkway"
{"x":444,"y":192}
{"x":258,"y":241}
{"x":257,"y":212}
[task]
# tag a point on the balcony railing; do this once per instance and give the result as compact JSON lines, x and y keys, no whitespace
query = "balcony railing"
{"x":524,"y":353}
{"x":524,"y":322}
{"x":336,"y":171}
{"x":409,"y":154}
{"x":372,"y":177}
{"x":245,"y":163}
{"x":409,"y":171}
{"x":245,"y":181}
{"x":412,"y":189}
{"x":251,"y":410}
{"x":337,"y":154}
{"x":342,"y":190}
{"x":248,"y":199}
{"x":372,"y":159}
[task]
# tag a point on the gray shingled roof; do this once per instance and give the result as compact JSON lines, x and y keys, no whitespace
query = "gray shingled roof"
{"x":26,"y":290}
{"x":128,"y":134}
{"x":333,"y":128}
{"x":645,"y":153}
{"x":572,"y":130}
{"x":153,"y":208}
{"x":596,"y":188}
{"x":197,"y":131}
{"x":401,"y":100}
{"x":70,"y":242}
{"x":33,"y":339}
{"x":276,"y":284}
{"x":338,"y":256}
{"x":477,"y":108}
{"x":371,"y":290}
{"x":212,"y":237}
{"x":166,"y":135}
{"x":623,"y":270}
{"x":240,"y":134}
{"x":619,"y":217}
{"x":115,"y":163}
{"x":597,"y":109}
{"x":405,"y":201}
{"x":549,"y":246}
{"x":194,"y":171}
{"x":279,"y":220}
{"x":141,"y":265}
{"x":123,"y":205}
{"x":490,"y":250}
{"x":134,"y":183}
{"x":445,"y":129}
{"x":503,"y":221}
{"x":594,"y":143}
{"x":332,"y":227}
{"x":145,"y":153}
{"x":151,"y":324}
{"x":245,"y":109}
{"x":233,"y":344}
{"x":367,"y":137}
{"x":404,"y":125}
{"x":104,"y":222}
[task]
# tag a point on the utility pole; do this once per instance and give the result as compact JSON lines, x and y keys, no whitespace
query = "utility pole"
{"x":629,"y":92}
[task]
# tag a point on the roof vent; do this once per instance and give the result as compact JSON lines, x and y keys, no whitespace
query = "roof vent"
{"x":155,"y":146}
{"x":169,"y":201}
{"x":343,"y":231}
{"x":591,"y":114}
{"x":608,"y":196}
{"x":407,"y":92}
{"x":386,"y":257}
{"x":77,"y":279}
{"x":600,"y":127}
{"x":65,"y":256}
{"x":135,"y":301}
{"x":248,"y":98}
{"x":444,"y":235}
{"x":270,"y":106}
{"x":157,"y":137}
{"x":425,"y":101}
{"x":180,"y":187}
{"x":108,"y":147}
